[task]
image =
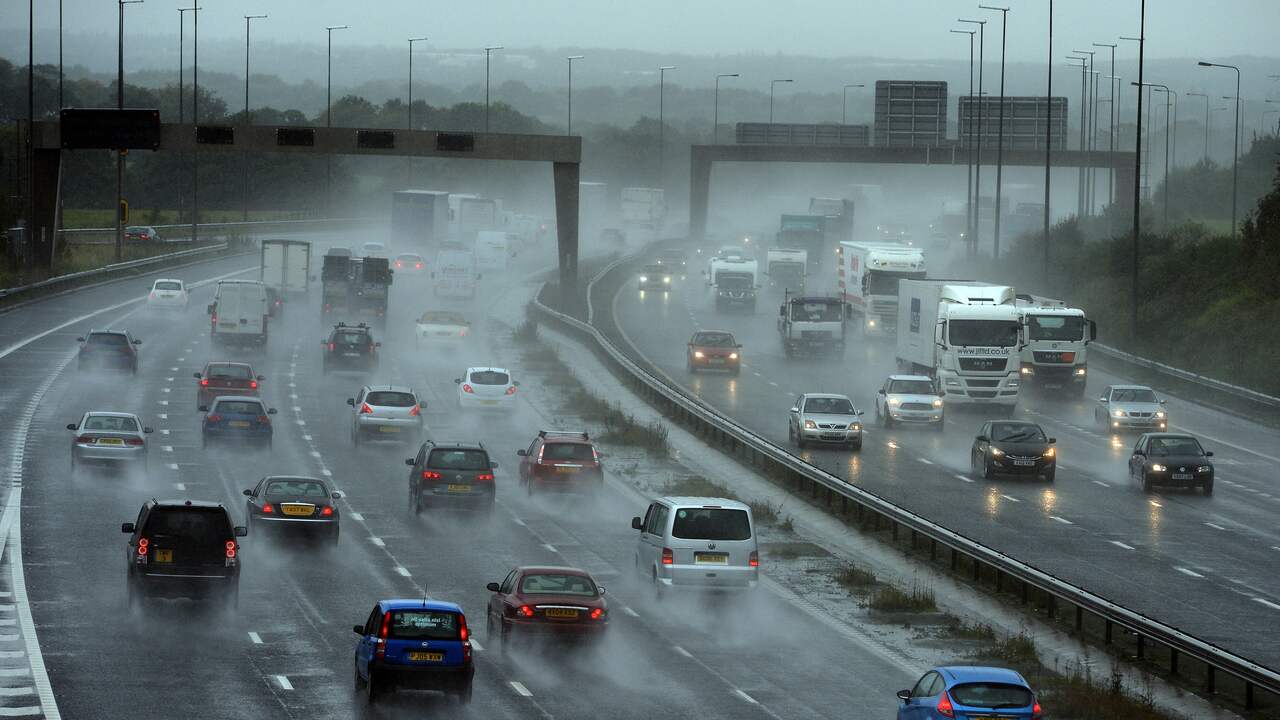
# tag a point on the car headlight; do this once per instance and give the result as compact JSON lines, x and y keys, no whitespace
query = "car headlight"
{"x":1013,"y":383}
{"x":666,"y":280}
{"x":997,"y":452}
{"x":856,"y":426}
{"x":1205,"y":468}
{"x":871,"y":323}
{"x":698,"y":354}
{"x":1117,"y":413}
{"x":733,"y":356}
{"x":895,"y":402}
{"x":937,"y":402}
{"x":644,"y":278}
{"x":1080,"y":372}
{"x":1160,"y":414}
{"x":810,"y":425}
{"x":1157,"y":467}
{"x":1051,"y":453}
{"x":1027,"y":370}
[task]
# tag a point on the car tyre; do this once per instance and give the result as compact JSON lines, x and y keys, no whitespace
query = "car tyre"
{"x":856,"y":445}
{"x":987,"y":470}
{"x":1049,"y":476}
{"x":1207,"y":488}
{"x":464,"y":696}
{"x":231,"y":599}
{"x":331,"y":538}
{"x":1146,"y":482}
{"x":371,"y":688}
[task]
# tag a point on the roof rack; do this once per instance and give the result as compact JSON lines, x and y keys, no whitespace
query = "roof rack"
{"x":564,"y":433}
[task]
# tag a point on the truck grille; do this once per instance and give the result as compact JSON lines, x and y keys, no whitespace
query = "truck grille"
{"x":982,"y":393}
{"x":815,"y":335}
{"x":984,"y":364}
{"x":971,"y":382}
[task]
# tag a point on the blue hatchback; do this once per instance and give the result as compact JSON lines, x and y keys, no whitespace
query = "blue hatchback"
{"x":234,"y":417}
{"x":418,"y":644}
{"x":969,"y":693}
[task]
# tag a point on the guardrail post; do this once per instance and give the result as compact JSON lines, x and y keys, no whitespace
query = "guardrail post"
{"x":1052,"y":608}
{"x":893,"y":527}
{"x":1210,"y":680}
{"x":977,"y":570}
{"x":1248,"y":695}
{"x":1173,"y":661}
{"x":933,"y":549}
{"x":1079,"y":618}
{"x":999,"y":581}
{"x":1142,"y":647}
{"x":1026,"y":594}
{"x":955,"y":559}
{"x":1107,"y":634}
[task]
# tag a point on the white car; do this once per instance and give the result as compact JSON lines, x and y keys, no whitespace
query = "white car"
{"x":486,"y":387}
{"x":168,"y":294}
{"x":909,"y":399}
{"x":441,"y":326}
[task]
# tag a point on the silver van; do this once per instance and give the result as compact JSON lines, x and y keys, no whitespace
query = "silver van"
{"x":696,"y":542}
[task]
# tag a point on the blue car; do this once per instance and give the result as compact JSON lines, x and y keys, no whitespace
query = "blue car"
{"x":969,"y":693}
{"x":231,"y":417}
{"x":414,"y":644}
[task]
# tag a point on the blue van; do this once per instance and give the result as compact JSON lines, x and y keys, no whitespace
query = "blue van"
{"x":414,"y":644}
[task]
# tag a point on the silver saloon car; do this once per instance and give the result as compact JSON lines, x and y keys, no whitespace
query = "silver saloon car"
{"x":1130,"y":407}
{"x":825,"y":418}
{"x":109,"y":438}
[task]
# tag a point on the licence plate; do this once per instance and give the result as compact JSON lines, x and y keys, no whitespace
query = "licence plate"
{"x":388,"y":428}
{"x":563,"y":469}
{"x":110,"y":441}
{"x":458,"y":488}
{"x":1024,"y":463}
{"x":488,"y":402}
{"x":426,"y":656}
{"x":351,"y":354}
{"x":294,"y":509}
{"x":239,"y":423}
{"x":164,"y":556}
{"x":704,"y":558}
{"x":715,"y":361}
{"x":568,"y":613}
{"x":1182,"y":476}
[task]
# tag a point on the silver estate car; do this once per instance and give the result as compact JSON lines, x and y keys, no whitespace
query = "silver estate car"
{"x":1130,"y":407}
{"x":825,"y":418}
{"x":387,"y":412}
{"x":109,"y":438}
{"x":697,"y":542}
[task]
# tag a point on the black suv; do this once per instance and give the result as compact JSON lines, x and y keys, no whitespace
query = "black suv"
{"x":108,"y":349}
{"x":183,"y":548}
{"x":451,"y":474}
{"x":351,"y":347}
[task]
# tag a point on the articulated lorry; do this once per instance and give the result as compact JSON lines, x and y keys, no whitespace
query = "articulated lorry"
{"x":285,"y":270}
{"x":812,"y":325}
{"x":803,"y":232}
{"x":1055,"y":353}
{"x":354,"y":287}
{"x":837,"y":214}
{"x":419,"y":221}
{"x":868,"y":276}
{"x":968,"y":336}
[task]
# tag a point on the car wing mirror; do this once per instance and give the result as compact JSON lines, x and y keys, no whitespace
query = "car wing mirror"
{"x":1208,"y":453}
{"x":126,"y":528}
{"x":860,"y":412}
{"x":209,"y":310}
{"x":904,"y":695}
{"x":1162,"y":402}
{"x":410,"y":462}
{"x":137,"y":342}
{"x":148,"y":430}
{"x":1053,"y":441}
{"x":493,"y":466}
{"x":247,"y":492}
{"x":423,"y":404}
{"x":335,"y":495}
{"x":195,"y":375}
{"x":377,"y":344}
{"x":795,"y":409}
{"x":240,"y":531}
{"x":635,"y":523}
{"x":521,"y":452}
{"x":260,"y":378}
{"x":492,"y":587}
{"x":357,"y":629}
{"x":79,"y":339}
{"x":351,"y":402}
{"x":324,"y":342}
{"x":982,"y":438}
{"x":516,"y":383}
{"x":457,"y":381}
{"x":72,"y":426}
{"x":271,"y":411}
{"x":601,"y":588}
{"x":203,"y":408}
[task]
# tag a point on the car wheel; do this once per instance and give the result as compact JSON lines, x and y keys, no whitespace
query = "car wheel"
{"x":987,"y":470}
{"x":1207,"y":488}
{"x":504,"y":638}
{"x":332,"y":537}
{"x":464,"y":695}
{"x":1146,"y":482}
{"x":355,"y":437}
{"x":800,"y":443}
{"x":856,"y":445}
{"x":658,"y":594}
{"x":1048,"y":477}
{"x":371,"y":688}
{"x":204,"y":442}
{"x":133,"y":596}
{"x":231,"y":599}
{"x":737,"y":371}
{"x":359,"y":681}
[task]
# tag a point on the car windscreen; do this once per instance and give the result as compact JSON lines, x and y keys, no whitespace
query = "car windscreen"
{"x":816,"y":312}
{"x":424,"y":625}
{"x":455,"y":459}
{"x":387,"y":398}
{"x":1176,"y":446}
{"x":1016,"y":432}
{"x":828,"y":406}
{"x":652,"y":270}
{"x":911,"y":387}
{"x":982,"y":333}
{"x":105,"y":423}
{"x":297,"y":489}
{"x":168,"y":285}
{"x":239,"y":407}
{"x":1055,"y":327}
{"x":442,"y":318}
{"x":230,"y":372}
{"x":557,"y":584}
{"x":723,"y":340}
{"x":408,"y":258}
{"x":1133,"y":395}
{"x":489,"y":377}
{"x":991,"y":695}
{"x":339,"y":252}
{"x":201,"y":524}
{"x":711,"y":524}
{"x":567,"y":451}
{"x":107,"y":339}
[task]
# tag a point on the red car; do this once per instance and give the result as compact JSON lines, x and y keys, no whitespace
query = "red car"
{"x":561,"y":461}
{"x":542,"y":600}
{"x":225,"y":378}
{"x":714,"y":349}
{"x":141,"y":233}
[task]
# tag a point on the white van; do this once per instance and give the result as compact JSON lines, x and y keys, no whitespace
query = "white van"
{"x":239,"y":312}
{"x":455,"y":274}
{"x":696,"y":542}
{"x":493,"y":250}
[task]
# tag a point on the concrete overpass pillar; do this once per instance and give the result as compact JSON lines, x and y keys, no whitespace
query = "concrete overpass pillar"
{"x":565,"y":177}
{"x":45,"y":186}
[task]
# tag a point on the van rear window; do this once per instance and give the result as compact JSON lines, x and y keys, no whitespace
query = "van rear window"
{"x":711,"y":524}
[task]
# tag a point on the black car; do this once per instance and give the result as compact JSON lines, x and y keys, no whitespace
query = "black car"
{"x":1171,"y":459}
{"x":451,"y":474}
{"x":183,"y":548}
{"x":654,"y":277}
{"x":288,"y":503}
{"x":351,"y":347}
{"x":114,"y":349}
{"x":673,"y":258}
{"x":1010,"y":447}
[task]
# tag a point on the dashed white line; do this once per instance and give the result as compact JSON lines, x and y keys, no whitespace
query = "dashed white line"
{"x":167,"y":448}
{"x":1010,"y":498}
{"x":377,"y":541}
{"x":519,"y":522}
{"x":772,"y":383}
{"x":164,"y":432}
{"x":520,"y":689}
{"x":1214,"y":526}
{"x":173,"y":466}
{"x":166,"y":389}
{"x":1268,"y":603}
{"x":1154,"y":503}
{"x":403,"y":571}
{"x":630,"y":612}
{"x":255,"y":637}
{"x":283,"y":682}
{"x":681,"y":651}
{"x":965,"y":478}
{"x":356,"y":516}
{"x":549,"y":547}
{"x":925,"y":461}
{"x":163,"y":416}
{"x":1062,"y":520}
{"x":1191,"y":573}
{"x":1099,"y":482}
{"x":182,"y":487}
{"x":745,"y":696}
{"x":1117,"y":543}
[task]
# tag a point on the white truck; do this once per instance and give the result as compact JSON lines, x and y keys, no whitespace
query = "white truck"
{"x":812,"y":325}
{"x":967,"y":336}
{"x":736,"y":279}
{"x":644,"y":212}
{"x":238,"y":313}
{"x":867,"y":277}
{"x":285,"y":270}
{"x":1055,"y":354}
{"x":786,"y":268}
{"x":455,"y":274}
{"x":593,"y":206}
{"x":493,"y":250}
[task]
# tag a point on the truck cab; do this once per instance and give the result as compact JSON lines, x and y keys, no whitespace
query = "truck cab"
{"x":868,"y":278}
{"x":1057,"y":338}
{"x":812,"y":325}
{"x":786,"y":268}
{"x":735,"y":281}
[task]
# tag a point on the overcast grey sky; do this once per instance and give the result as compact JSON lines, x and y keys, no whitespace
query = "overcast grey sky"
{"x":914,"y":29}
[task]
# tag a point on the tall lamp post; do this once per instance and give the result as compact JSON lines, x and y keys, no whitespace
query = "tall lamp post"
{"x":1206,"y":122}
{"x":977,"y":169}
{"x":1112,"y":112}
{"x":568,"y":126}
{"x":1087,"y":131}
{"x":487,"y":54}
{"x":1004,"y":21}
{"x":662,"y":87}
{"x":244,"y":212}
{"x":181,"y":54}
{"x":772,"y":84}
{"x":1137,"y":179}
{"x":328,"y":115}
{"x":968,"y":196}
{"x":1168,"y":100}
{"x":715,"y":118}
{"x":1048,"y":139}
{"x":411,"y":42}
{"x":119,"y":153}
{"x":844,"y":103}
{"x":1084,"y":70}
{"x":1235,"y":153}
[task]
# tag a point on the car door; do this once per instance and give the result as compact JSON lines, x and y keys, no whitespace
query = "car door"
{"x":419,"y":464}
{"x":920,"y":704}
{"x":1104,"y":404}
{"x":794,"y":417}
{"x":367,"y":644}
{"x":1138,"y":460}
{"x":647,"y":545}
{"x":979,"y":449}
{"x":355,"y":407}
{"x":498,"y":600}
{"x":251,"y":502}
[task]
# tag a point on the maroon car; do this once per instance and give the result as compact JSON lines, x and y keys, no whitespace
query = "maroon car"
{"x":561,"y":461}
{"x":543,"y":600}
{"x":225,"y":378}
{"x":716,"y":350}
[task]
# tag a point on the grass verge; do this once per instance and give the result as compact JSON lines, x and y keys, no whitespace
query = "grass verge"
{"x":919,"y":598}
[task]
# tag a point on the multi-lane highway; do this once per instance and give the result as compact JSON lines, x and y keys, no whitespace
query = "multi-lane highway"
{"x":288,"y":650}
{"x":1203,"y":564}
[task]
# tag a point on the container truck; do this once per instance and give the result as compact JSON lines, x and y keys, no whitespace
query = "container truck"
{"x":803,"y":232}
{"x":867,"y":277}
{"x":644,"y":212}
{"x":786,"y":268}
{"x":285,"y":271}
{"x":419,"y":220}
{"x":476,"y":215}
{"x":1055,"y":355}
{"x":838,"y":217}
{"x":967,"y":336}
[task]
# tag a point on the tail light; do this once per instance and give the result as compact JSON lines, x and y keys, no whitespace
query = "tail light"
{"x":524,"y":611}
{"x":431,"y":475}
{"x":595,"y":456}
{"x":214,"y":418}
{"x":1035,"y":711}
{"x":332,"y":347}
{"x":204,"y":382}
{"x":399,"y":264}
{"x":463,"y":633}
{"x":230,"y":545}
{"x":326,"y":511}
{"x":253,"y":384}
{"x":144,"y":545}
{"x":944,"y":706}
{"x":466,"y":651}
{"x":511,"y":390}
{"x":466,"y":388}
{"x":84,"y":439}
{"x":462,"y":332}
{"x":417,"y":266}
{"x":754,"y":560}
{"x":487,"y":477}
{"x":415,"y":411}
{"x":135,"y":442}
{"x":268,"y":509}
{"x":152,"y":295}
{"x":667,"y":557}
{"x":263,"y":420}
{"x":597,"y":613}
{"x":365,"y":409}
{"x":381,"y":651}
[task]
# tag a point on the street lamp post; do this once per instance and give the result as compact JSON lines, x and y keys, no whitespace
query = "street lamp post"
{"x":1113,"y":111}
{"x":1206,"y":122}
{"x":487,"y":52}
{"x":195,"y":120}
{"x":715,"y":119}
{"x":968,"y":193}
{"x":1004,"y":21}
{"x":662,"y":87}
{"x":1048,"y":140}
{"x":1137,"y":180}
{"x":568,"y":127}
{"x":1235,"y":153}
{"x":411,"y":42}
{"x":977,"y":169}
{"x":772,"y":84}
{"x":1084,"y":69}
{"x":844,"y":103}
{"x":120,"y":153}
{"x":1168,"y":95}
{"x":328,"y":114}
{"x":1086,"y":143}
{"x":244,"y":214}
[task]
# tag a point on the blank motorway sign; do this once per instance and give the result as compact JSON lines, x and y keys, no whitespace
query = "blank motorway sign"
{"x":110,"y":129}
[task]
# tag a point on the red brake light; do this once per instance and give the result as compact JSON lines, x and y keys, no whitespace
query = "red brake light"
{"x":1035,"y":711}
{"x":418,"y":265}
{"x":597,"y":613}
{"x":268,"y":509}
{"x":667,"y":557}
{"x":485,"y":476}
{"x":133,"y":441}
{"x":511,"y":390}
{"x":466,"y":388}
{"x":253,"y":384}
{"x":365,"y":409}
{"x":231,"y":548}
{"x":415,"y":410}
{"x":332,"y":346}
{"x":84,"y":439}
{"x":944,"y":705}
{"x":754,"y":559}
{"x":381,"y":651}
{"x":326,"y":511}
{"x":524,"y":611}
{"x":204,"y":382}
{"x":263,"y":419}
{"x":214,"y":418}
{"x":463,"y":632}
{"x":431,"y":475}
{"x":399,"y":264}
{"x":143,"y":545}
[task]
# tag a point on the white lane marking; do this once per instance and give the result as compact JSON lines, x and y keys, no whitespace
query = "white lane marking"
{"x":182,"y":487}
{"x":1215,"y":527}
{"x":774,"y":384}
{"x":356,"y":516}
{"x":17,"y":711}
{"x":519,"y":522}
{"x":630,"y":612}
{"x":163,"y":416}
{"x":173,"y":369}
{"x":164,"y":432}
{"x":1010,"y":498}
{"x":1213,"y":439}
{"x":1268,"y":603}
{"x":166,"y":389}
{"x":1117,"y":543}
{"x":162,"y":402}
{"x":255,"y":637}
{"x":404,"y":571}
{"x":520,"y":689}
{"x":167,"y":448}
{"x":1062,"y":520}
{"x":283,"y":682}
{"x":326,"y":472}
{"x":300,"y":421}
{"x":306,"y":437}
{"x":314,"y":453}
{"x":1275,"y":547}
{"x":745,"y":696}
{"x":377,"y":541}
{"x":926,"y":462}
{"x":681,"y":650}
{"x":549,"y":547}
{"x":964,"y":478}
{"x":1099,"y":482}
{"x":15,"y":672}
{"x":297,"y":408}
{"x":169,"y":379}
{"x":1191,"y":573}
{"x":10,"y":654}
{"x":173,"y":466}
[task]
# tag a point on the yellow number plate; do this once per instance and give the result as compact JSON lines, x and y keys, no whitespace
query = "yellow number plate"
{"x":239,"y":423}
{"x":703,"y":558}
{"x":296,"y":509}
{"x":426,"y":656}
{"x":563,"y":469}
{"x":110,"y":441}
{"x":458,"y":488}
{"x":164,"y":556}
{"x":561,"y":613}
{"x":388,"y":428}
